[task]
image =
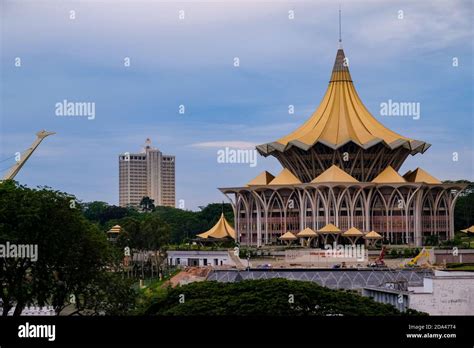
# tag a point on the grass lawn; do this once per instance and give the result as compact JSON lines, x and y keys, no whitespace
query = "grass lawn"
{"x":462,"y":268}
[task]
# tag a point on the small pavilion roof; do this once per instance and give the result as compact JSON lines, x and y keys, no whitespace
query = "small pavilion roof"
{"x":307,"y":232}
{"x":352,"y":232}
{"x":420,"y":175}
{"x":329,"y":228}
{"x":334,"y":174}
{"x":115,"y":229}
{"x":373,"y":235}
{"x":288,"y":236}
{"x":469,"y":229}
{"x":285,"y":178}
{"x":388,"y":175}
{"x":263,"y":178}
{"x":222,"y":229}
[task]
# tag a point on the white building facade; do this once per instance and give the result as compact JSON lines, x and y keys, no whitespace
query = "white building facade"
{"x":199,"y":258}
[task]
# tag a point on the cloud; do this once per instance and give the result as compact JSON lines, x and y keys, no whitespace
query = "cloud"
{"x":212,"y":33}
{"x":282,"y":62}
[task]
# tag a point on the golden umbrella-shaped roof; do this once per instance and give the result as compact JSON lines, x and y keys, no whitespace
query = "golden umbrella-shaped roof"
{"x":469,"y":229}
{"x":115,"y":229}
{"x":373,"y":235}
{"x":288,"y":236}
{"x":342,"y":118}
{"x":353,"y":232}
{"x":307,"y":232}
{"x":330,"y":228}
{"x":221,"y":229}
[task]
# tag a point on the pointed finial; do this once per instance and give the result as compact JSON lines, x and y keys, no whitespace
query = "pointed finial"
{"x":340,"y":30}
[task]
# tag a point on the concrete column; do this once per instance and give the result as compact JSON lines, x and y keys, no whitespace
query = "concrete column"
{"x":302,"y":210}
{"x":418,"y":209}
{"x":259,"y":224}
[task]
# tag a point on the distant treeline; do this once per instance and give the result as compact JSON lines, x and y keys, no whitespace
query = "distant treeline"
{"x":174,"y":225}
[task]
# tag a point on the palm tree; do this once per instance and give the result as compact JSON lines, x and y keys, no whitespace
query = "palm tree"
{"x":146,"y":204}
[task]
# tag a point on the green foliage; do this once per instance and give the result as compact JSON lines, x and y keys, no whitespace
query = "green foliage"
{"x":464,"y":209}
{"x":269,"y":297}
{"x":183,"y":224}
{"x":147,"y":204}
{"x":212,"y":212}
{"x":72,"y":252}
{"x":109,"y":294}
{"x":396,"y":253}
{"x":432,"y":240}
{"x":407,"y":253}
{"x":458,"y":264}
{"x":148,"y":233}
{"x":154,"y":289}
{"x":101,"y":212}
{"x":393,"y":253}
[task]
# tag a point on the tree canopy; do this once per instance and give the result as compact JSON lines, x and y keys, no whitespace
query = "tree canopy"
{"x":72,"y":252}
{"x":268,"y":297}
{"x":147,"y":204}
{"x":179,"y":225}
{"x":464,"y":209}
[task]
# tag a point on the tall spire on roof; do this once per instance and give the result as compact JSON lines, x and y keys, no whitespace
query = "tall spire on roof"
{"x":340,"y":70}
{"x":340,"y":30}
{"x":340,"y":121}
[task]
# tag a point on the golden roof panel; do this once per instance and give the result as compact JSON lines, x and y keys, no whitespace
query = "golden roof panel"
{"x":420,"y":175}
{"x":115,"y":229}
{"x":469,"y":229}
{"x":330,"y":228}
{"x":263,"y":178}
{"x":222,"y":229}
{"x":341,"y":118}
{"x":388,"y":175}
{"x":334,"y":174}
{"x":352,"y":232}
{"x":307,"y":232}
{"x":373,"y":235}
{"x":288,"y":236}
{"x":285,"y":178}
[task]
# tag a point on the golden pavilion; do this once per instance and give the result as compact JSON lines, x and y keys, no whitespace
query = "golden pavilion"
{"x":341,"y":168}
{"x":220,"y":231}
